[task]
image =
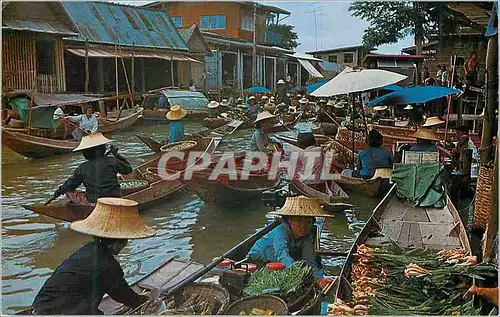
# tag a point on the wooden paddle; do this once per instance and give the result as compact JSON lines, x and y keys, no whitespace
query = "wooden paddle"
{"x":49,"y":201}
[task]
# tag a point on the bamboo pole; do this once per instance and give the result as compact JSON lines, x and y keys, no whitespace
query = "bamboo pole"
{"x":353,"y":136}
{"x":491,"y":97}
{"x":87,"y":79}
{"x":172,"y":69}
{"x":363,"y":113}
{"x":32,"y":99}
{"x":126,"y":80}
{"x":116,"y":76}
{"x":133,"y":70}
{"x":447,"y":118}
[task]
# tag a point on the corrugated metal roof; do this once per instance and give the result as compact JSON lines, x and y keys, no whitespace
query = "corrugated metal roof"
{"x":107,"y":23}
{"x":190,"y":100}
{"x":37,"y":26}
{"x":95,"y":52}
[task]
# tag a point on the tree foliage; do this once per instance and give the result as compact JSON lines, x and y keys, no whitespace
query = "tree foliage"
{"x":393,"y":21}
{"x":288,"y":36}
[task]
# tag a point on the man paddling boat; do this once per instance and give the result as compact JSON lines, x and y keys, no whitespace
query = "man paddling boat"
{"x":98,"y":173}
{"x":78,"y":285}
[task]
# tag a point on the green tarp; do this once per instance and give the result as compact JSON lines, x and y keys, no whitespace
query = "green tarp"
{"x":423,"y":184}
{"x":40,"y":117}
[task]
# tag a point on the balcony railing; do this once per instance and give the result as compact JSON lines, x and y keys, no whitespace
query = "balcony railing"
{"x":272,"y":37}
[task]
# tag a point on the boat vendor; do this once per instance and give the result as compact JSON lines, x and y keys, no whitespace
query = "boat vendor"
{"x":379,"y":113}
{"x":253,"y":107}
{"x":260,"y":139}
{"x":224,"y":105}
{"x":293,"y":240}
{"x":339,"y":110}
{"x":426,"y":141}
{"x":281,"y":91}
{"x":78,"y":285}
{"x":175,"y":115}
{"x":239,"y":101}
{"x":311,"y":175}
{"x":214,"y":111}
{"x":60,"y":119}
{"x":162,"y":102}
{"x":326,"y":113}
{"x":374,"y":157}
{"x":87,"y":123}
{"x":98,"y":173}
{"x":303,"y":103}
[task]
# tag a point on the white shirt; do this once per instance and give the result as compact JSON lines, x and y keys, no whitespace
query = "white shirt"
{"x":58,"y":114}
{"x":86,"y":123}
{"x":192,"y":88}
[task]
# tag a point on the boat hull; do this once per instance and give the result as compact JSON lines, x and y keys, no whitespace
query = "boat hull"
{"x":35,"y":147}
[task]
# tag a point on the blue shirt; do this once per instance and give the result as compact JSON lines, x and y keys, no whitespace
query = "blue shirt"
{"x":279,"y":245}
{"x":176,"y":131}
{"x":86,"y":123}
{"x":382,"y":158}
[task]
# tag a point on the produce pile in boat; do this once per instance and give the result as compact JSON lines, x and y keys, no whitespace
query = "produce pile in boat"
{"x":239,"y":113}
{"x":396,"y":281}
{"x":258,"y":312}
{"x":340,"y":153}
{"x":344,"y":135}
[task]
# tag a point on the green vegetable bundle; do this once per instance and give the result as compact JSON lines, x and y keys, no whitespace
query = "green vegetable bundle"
{"x":297,"y":277}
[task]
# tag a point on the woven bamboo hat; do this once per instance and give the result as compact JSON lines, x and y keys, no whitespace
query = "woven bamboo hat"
{"x":213,"y":104}
{"x":299,"y":95}
{"x":114,"y":218}
{"x":382,"y":173}
{"x":176,"y":113}
{"x":322,"y":101}
{"x":425,"y":134}
{"x":301,"y":206}
{"x":330,"y":103}
{"x":263,"y":98}
{"x":281,"y":81}
{"x":224,"y":103}
{"x":240,"y":99}
{"x":303,"y":100}
{"x":92,"y":140}
{"x":340,"y":105}
{"x":270,"y":107}
{"x":379,"y":108}
{"x":251,"y":98}
{"x":432,"y":121}
{"x":264,"y":115}
{"x":409,"y":107}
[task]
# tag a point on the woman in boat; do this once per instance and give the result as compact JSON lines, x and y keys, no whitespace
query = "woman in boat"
{"x":426,"y":141}
{"x":310,"y":173}
{"x":214,"y":109}
{"x":253,"y":107}
{"x":260,"y":139}
{"x":87,"y":123}
{"x":294,"y":239}
{"x":97,"y":174}
{"x":375,"y":156}
{"x":78,"y":285}
{"x":175,"y":115}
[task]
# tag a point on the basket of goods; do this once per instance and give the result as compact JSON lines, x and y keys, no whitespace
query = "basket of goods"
{"x":295,"y":284}
{"x":130,"y":186}
{"x":482,"y":206}
{"x":178,"y":146}
{"x":264,"y":305}
{"x":152,"y":175}
{"x":198,"y":299}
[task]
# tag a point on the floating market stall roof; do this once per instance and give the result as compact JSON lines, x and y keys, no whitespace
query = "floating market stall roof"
{"x":312,"y":87}
{"x":189,"y":100}
{"x":357,"y":80}
{"x":415,"y":94}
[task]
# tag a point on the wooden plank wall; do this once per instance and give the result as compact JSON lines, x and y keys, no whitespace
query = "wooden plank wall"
{"x":19,"y":61}
{"x":20,"y":65}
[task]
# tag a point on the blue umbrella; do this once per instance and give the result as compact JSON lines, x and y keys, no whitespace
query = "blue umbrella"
{"x":295,"y":89}
{"x":415,"y":94}
{"x":312,"y":87}
{"x":258,"y":90}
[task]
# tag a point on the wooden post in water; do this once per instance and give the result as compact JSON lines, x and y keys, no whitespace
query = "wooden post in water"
{"x":116,"y":77}
{"x":87,"y":79}
{"x":133,"y":71}
{"x":447,"y":118}
{"x":363,"y":113}
{"x":32,"y":99}
{"x":172,"y":69}
{"x":491,"y":97}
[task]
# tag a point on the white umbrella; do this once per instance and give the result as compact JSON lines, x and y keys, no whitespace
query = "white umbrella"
{"x":352,"y":81}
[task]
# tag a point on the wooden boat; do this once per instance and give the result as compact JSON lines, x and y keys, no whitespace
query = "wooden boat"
{"x":398,"y":221}
{"x":377,"y":187}
{"x":331,"y":196}
{"x":36,"y":145}
{"x":325,"y":128}
{"x":68,"y":211}
{"x":214,"y":123}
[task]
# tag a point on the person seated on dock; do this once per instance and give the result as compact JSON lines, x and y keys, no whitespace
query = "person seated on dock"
{"x":374,"y":157}
{"x":294,"y":239}
{"x":87,"y":123}
{"x":426,"y":141}
{"x":175,"y":115}
{"x":97,"y":174}
{"x":78,"y":285}
{"x":260,"y":139}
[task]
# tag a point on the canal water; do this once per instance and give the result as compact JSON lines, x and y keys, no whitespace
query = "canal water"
{"x":34,"y":245}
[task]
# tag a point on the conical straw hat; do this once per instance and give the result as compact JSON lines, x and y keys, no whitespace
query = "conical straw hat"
{"x":224,"y":103}
{"x":92,"y":140}
{"x":432,"y":121}
{"x":339,"y":105}
{"x":379,"y":108}
{"x":251,"y":97}
{"x":425,"y":134}
{"x":264,"y":98}
{"x":240,"y":99}
{"x":213,"y":104}
{"x":301,"y":206}
{"x":176,"y":113}
{"x":114,"y":218}
{"x":281,"y":81}
{"x":303,"y":100}
{"x":409,"y":107}
{"x":329,"y":103}
{"x":383,"y":173}
{"x":264,"y":115}
{"x":270,"y":107}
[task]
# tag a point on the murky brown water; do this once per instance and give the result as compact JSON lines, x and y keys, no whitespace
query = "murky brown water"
{"x":34,"y":245}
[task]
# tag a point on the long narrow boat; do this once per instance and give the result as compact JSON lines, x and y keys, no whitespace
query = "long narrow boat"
{"x":333,"y":198}
{"x":377,"y":187}
{"x":37,"y":146}
{"x":395,"y":220}
{"x":158,"y":189}
{"x":214,"y":123}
